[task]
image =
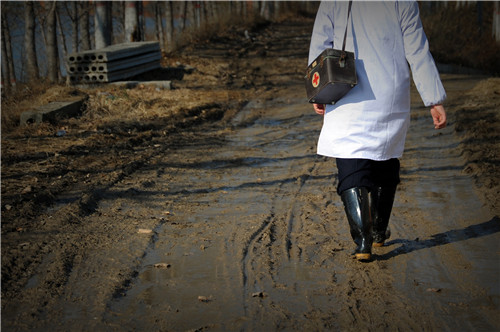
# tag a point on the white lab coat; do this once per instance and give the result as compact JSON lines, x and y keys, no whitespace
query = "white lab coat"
{"x":371,"y":121}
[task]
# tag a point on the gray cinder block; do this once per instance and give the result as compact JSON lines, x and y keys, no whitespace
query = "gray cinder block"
{"x":53,"y":112}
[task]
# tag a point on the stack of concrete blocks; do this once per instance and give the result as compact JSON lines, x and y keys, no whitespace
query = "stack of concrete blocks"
{"x":113,"y":63}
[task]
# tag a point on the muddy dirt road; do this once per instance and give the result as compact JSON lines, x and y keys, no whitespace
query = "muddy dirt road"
{"x":234,"y":225}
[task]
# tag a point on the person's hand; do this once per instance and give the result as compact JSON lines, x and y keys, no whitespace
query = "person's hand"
{"x":319,"y":108}
{"x":438,"y":116}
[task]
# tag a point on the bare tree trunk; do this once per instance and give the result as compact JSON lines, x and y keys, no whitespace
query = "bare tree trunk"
{"x":267,"y":10}
{"x":189,"y":17}
{"x":255,"y":7}
{"x":109,"y":20}
{"x":244,"y":10}
{"x":84,"y":25}
{"x":7,"y":58}
{"x":182,"y":14}
{"x":51,"y":45}
{"x":238,"y":9}
{"x":134,"y":21}
{"x":479,"y":10}
{"x":63,"y":42}
{"x":29,"y":42}
{"x":5,"y":65}
{"x":5,"y":76}
{"x":215,"y":12}
{"x":131,"y":24}
{"x":159,"y":25}
{"x":102,"y":25}
{"x":203,"y":13}
{"x":121,"y":16}
{"x":208,"y":12}
{"x":73,"y":13}
{"x":140,"y":20}
{"x":277,"y":9}
{"x":496,"y":22}
{"x":169,"y":25}
{"x":197,"y":14}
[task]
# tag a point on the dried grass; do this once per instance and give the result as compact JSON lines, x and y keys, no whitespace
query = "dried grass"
{"x":28,"y":97}
{"x":456,"y":37}
{"x":488,"y":87}
{"x":460,"y":43}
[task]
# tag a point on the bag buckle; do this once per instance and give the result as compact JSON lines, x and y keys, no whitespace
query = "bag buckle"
{"x":342,"y":59}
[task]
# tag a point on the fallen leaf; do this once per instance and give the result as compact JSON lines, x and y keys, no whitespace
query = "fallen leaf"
{"x":435,"y":290}
{"x":26,"y":190}
{"x":259,"y":294}
{"x":202,"y":298}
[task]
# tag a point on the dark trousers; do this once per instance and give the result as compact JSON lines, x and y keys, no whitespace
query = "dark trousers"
{"x":367,"y":173}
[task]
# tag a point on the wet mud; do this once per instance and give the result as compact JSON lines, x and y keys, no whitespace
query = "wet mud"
{"x":233,"y":224}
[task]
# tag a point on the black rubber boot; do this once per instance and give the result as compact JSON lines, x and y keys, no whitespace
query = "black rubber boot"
{"x":382,"y":199}
{"x":357,"y":208}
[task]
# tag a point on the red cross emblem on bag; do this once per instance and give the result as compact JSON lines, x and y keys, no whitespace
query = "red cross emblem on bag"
{"x":315,"y":80}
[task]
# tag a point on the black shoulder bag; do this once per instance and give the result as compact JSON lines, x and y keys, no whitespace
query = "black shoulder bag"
{"x":332,"y":74}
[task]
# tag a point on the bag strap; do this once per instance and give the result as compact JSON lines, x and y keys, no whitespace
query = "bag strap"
{"x":343,"y":55}
{"x":346,"y":25}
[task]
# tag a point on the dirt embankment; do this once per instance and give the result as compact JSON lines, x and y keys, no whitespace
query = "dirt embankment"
{"x":478,"y":128}
{"x":218,"y":179}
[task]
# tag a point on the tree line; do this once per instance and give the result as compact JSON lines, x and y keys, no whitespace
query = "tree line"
{"x":52,"y":30}
{"x":37,"y":36}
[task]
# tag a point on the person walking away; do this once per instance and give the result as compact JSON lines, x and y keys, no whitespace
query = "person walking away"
{"x":365,"y":131}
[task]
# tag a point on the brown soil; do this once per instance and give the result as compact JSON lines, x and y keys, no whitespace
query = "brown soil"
{"x":206,"y":208}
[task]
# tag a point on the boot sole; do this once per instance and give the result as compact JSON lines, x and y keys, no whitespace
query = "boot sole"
{"x":377,"y":245}
{"x":363,"y":257}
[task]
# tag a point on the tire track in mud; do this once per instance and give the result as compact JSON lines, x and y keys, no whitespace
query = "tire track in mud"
{"x":277,"y":229}
{"x":377,"y":295}
{"x":74,"y":205}
{"x":277,"y":243}
{"x":286,"y":174}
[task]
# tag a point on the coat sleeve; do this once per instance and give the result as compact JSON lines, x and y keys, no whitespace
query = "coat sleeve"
{"x":322,"y":35}
{"x":423,"y":67}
